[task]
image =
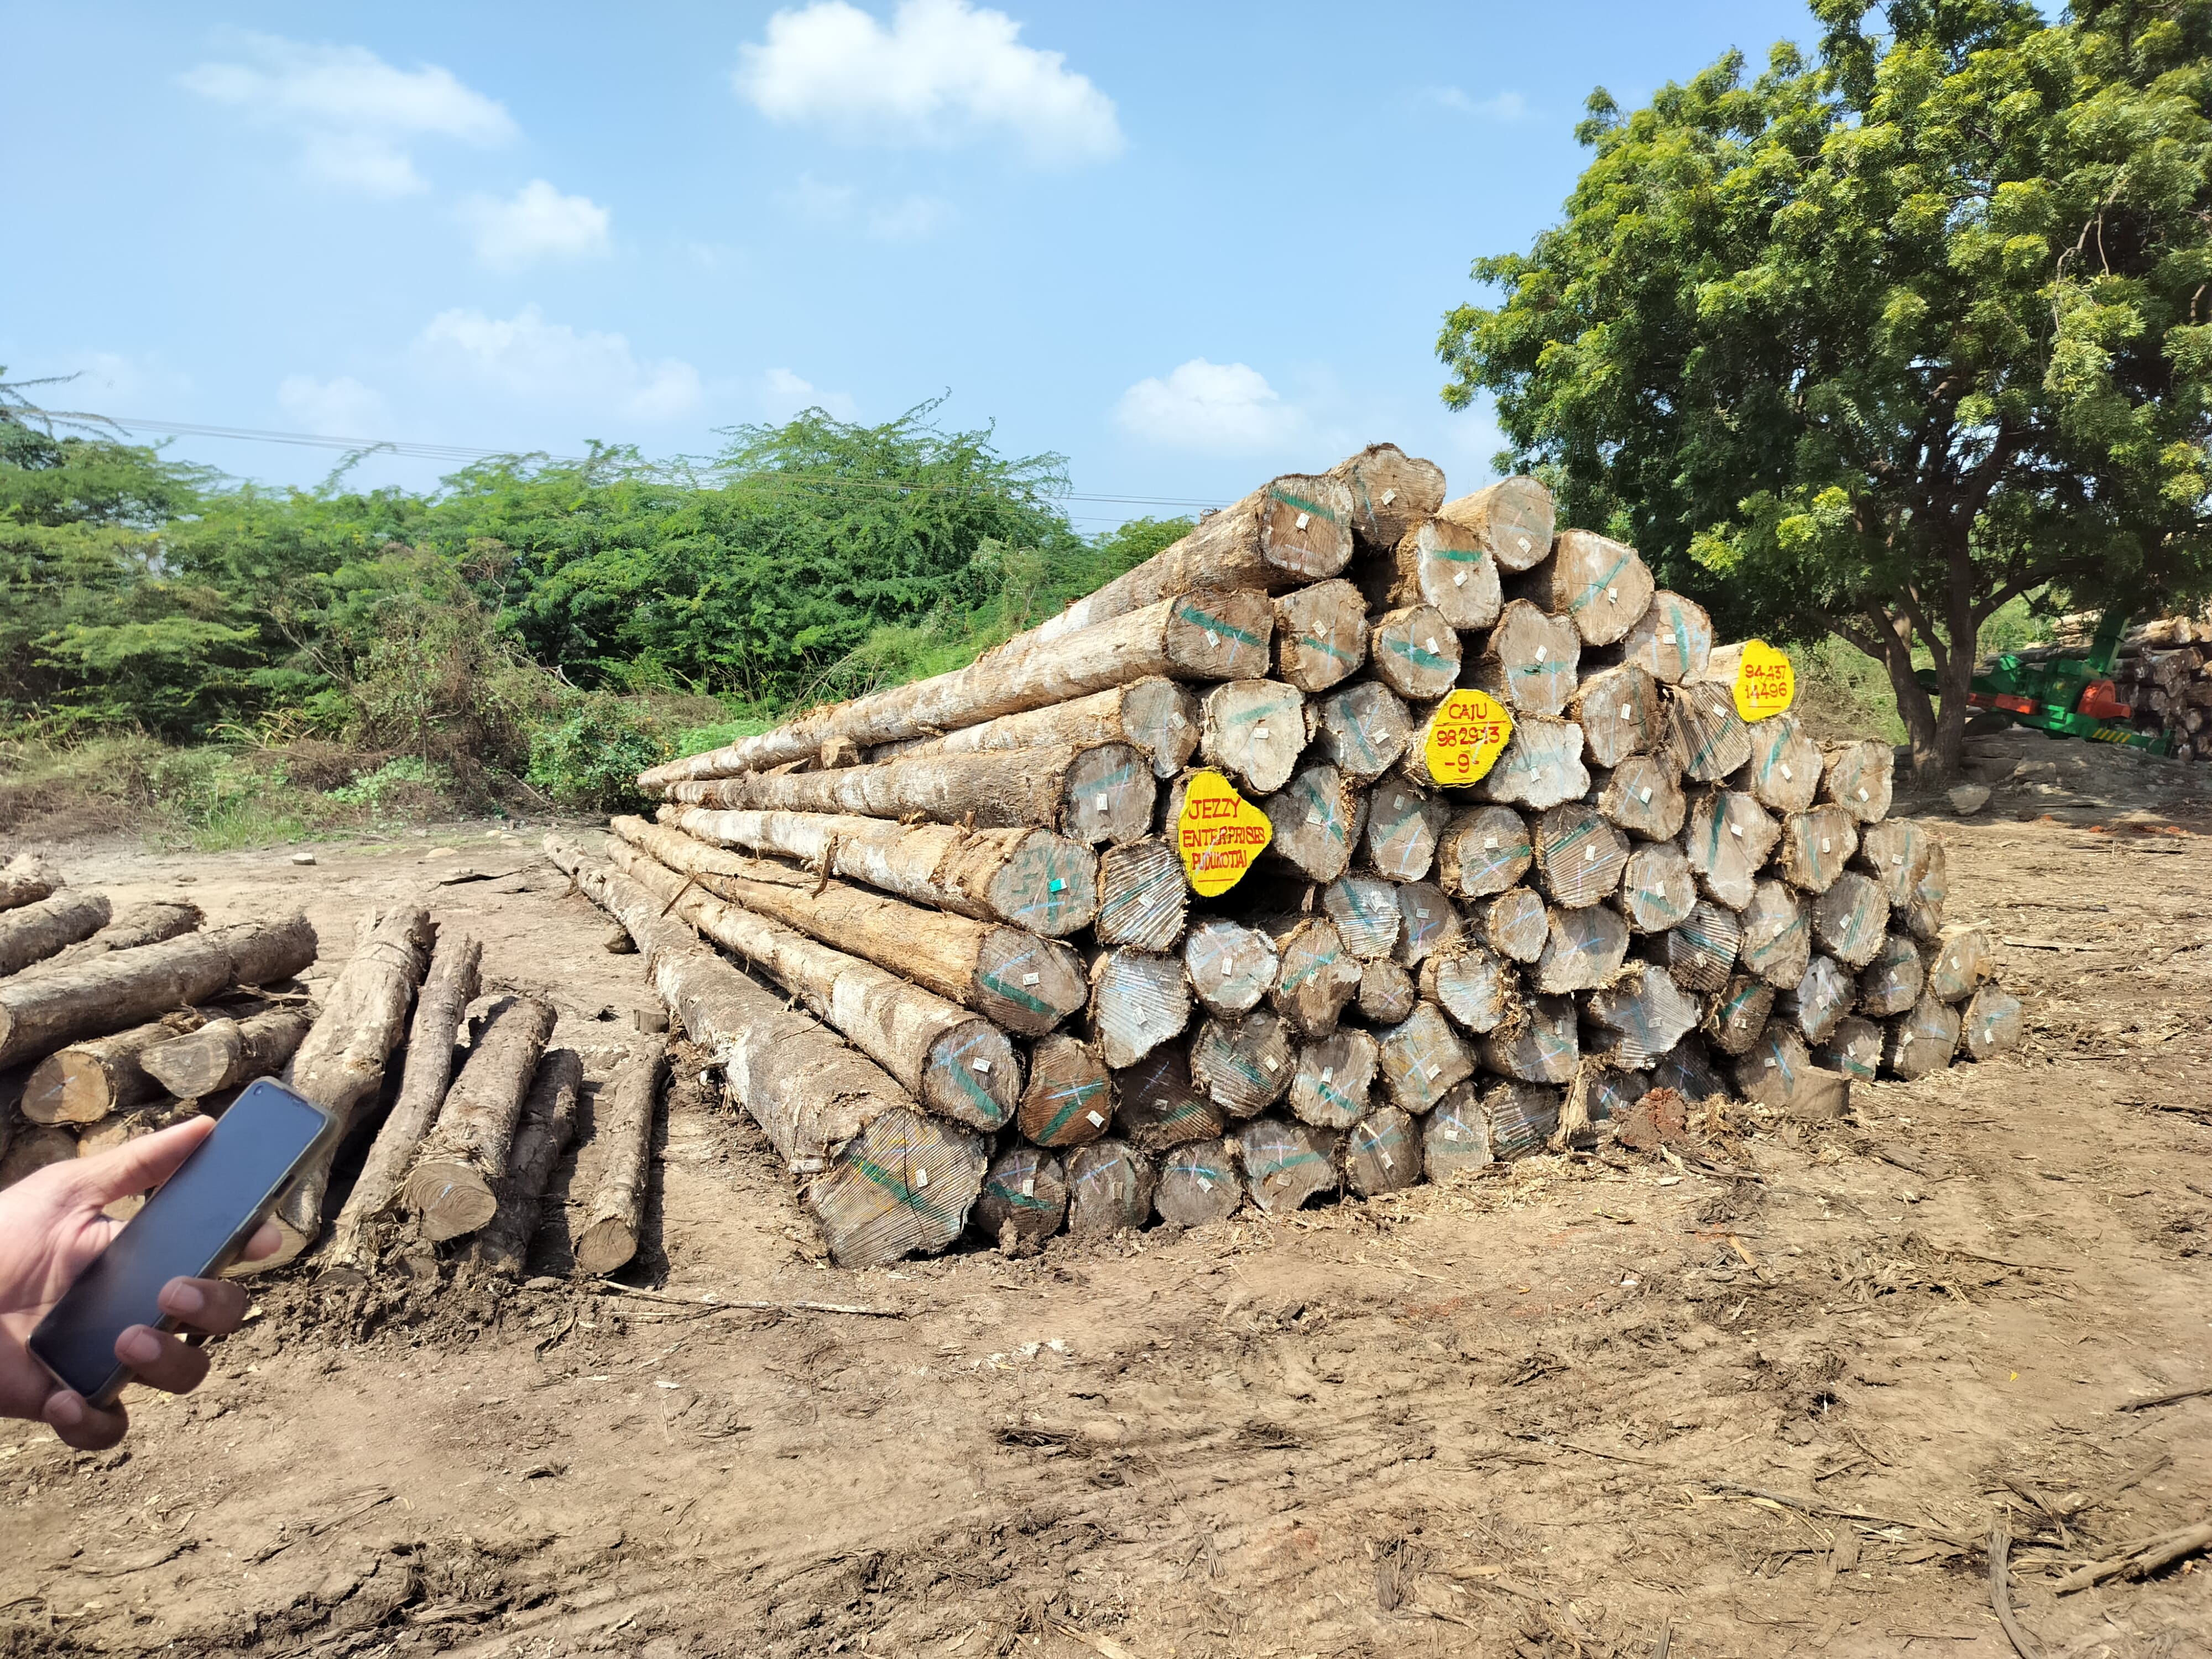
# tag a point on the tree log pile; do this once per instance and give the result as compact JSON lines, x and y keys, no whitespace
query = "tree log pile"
{"x":2167,"y":678}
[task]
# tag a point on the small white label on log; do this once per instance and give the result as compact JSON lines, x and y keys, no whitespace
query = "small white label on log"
{"x":1389,"y":496}
{"x":1313,"y":815}
{"x":1227,"y":967}
{"x":1029,"y":1188}
{"x":1204,"y":1185}
{"x":1398,"y":805}
{"x":1096,"y":1122}
{"x":1613,"y":593}
{"x":1786,"y":773}
{"x":1899,"y":859}
{"x":1645,"y":794}
{"x":1029,"y":978}
{"x":1862,"y":794}
{"x":1433,"y":645}
{"x":1589,"y":855}
{"x":1328,"y":1074}
{"x":1260,"y":734}
{"x":1421,"y":912}
{"x":1434,"y":1071}
{"x":1954,"y":964}
{"x":1523,"y":540}
{"x":1304,"y":519}
{"x":1459,"y":579}
{"x":1824,"y":843}
{"x":1213,"y":641}
{"x":1451,"y":1132}
{"x":1737,"y":829}
{"x":1140,"y":1016}
{"x":921,"y":1178}
{"x":1627,"y":712}
{"x":1099,"y":804}
{"x":982,"y":1066}
{"x":1490,"y":843}
{"x":1271,"y":1063}
{"x":1388,"y":1161}
{"x":1540,"y":650}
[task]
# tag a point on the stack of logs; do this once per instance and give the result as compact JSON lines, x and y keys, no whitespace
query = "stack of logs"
{"x":998,"y":1000}
{"x":2165,"y":674}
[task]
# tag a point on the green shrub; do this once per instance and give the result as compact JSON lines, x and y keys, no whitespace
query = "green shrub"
{"x":588,"y":760}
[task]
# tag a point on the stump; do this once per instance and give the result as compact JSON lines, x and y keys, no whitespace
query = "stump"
{"x":31,"y":932}
{"x":1156,"y":1106}
{"x":1853,"y":1048}
{"x":1849,"y":920}
{"x":1427,"y":923}
{"x":1515,"y":924}
{"x":1671,"y":640}
{"x":1244,"y":1065}
{"x":614,"y":1215}
{"x":1621,"y":713}
{"x":1024,"y":1198}
{"x":1583,"y":949}
{"x":1365,"y":911}
{"x":1657,"y":891}
{"x":1285,"y":1164}
{"x":1069,"y":1099}
{"x":1415,"y":651}
{"x":1785,"y":765}
{"x":1816,"y":1004}
{"x":1523,"y":1116}
{"x":1815,"y":846}
{"x":1540,"y":767}
{"x":1320,"y":635}
{"x":1543,"y":1048}
{"x":1644,"y":795}
{"x":1640,"y":1017}
{"x":1894,"y":979}
{"x":224,"y":1053}
{"x":1689,"y":1070}
{"x":1421,"y":1058}
{"x":1439,"y":563}
{"x":450,"y":1187}
{"x":1403,"y":827}
{"x":1728,"y":839}
{"x":1484,"y":852}
{"x":1138,"y":1000}
{"x":1197,"y":1184}
{"x":1579,"y":855}
{"x":1776,"y":1070}
{"x":92,"y":1079}
{"x":1603,"y":587}
{"x":1703,"y":734}
{"x":1961,"y":959}
{"x":1230,"y":966}
{"x":1386,"y":993}
{"x":1856,"y":776}
{"x":1472,"y":985}
{"x":1110,"y":1188}
{"x":1317,"y":977}
{"x":1990,"y":1023}
{"x":1254,"y":731}
{"x":1143,"y":899}
{"x":1700,"y":952}
{"x":1896,"y":852}
{"x":1313,"y":819}
{"x":1362,"y":730}
{"x":1740,"y":1014}
{"x":1777,"y":940}
{"x":1530,"y":660}
{"x":1381,"y":1154}
{"x":1455,"y":1136}
{"x":1921,"y":1040}
{"x":548,"y":1122}
{"x":1334,"y":1082}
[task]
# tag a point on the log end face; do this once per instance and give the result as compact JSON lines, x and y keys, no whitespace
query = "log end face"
{"x":972,"y":1076}
{"x":1028,"y":984}
{"x":605,"y":1245}
{"x":1306,"y":525}
{"x":1048,"y":886}
{"x":451,"y":1199}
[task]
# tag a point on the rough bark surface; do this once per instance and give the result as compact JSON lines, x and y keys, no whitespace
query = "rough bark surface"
{"x":614,"y":1215}
{"x":1155,"y":716}
{"x":548,"y":1124}
{"x":451,"y":1187}
{"x":147,"y":922}
{"x":31,"y":932}
{"x":25,"y":878}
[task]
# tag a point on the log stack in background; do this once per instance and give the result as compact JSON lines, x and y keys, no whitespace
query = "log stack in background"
{"x":2162,"y":672}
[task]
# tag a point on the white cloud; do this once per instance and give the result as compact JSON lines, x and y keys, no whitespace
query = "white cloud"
{"x":353,"y":113}
{"x":943,"y":73}
{"x":343,"y":408}
{"x":1226,"y":407}
{"x":784,"y":394}
{"x":538,"y":223}
{"x":526,"y":356}
{"x":1499,"y":107}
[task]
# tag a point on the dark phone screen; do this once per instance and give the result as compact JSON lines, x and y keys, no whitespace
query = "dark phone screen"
{"x":230,"y":1179}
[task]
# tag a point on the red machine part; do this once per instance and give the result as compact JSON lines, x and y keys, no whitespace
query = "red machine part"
{"x":2101,"y":700}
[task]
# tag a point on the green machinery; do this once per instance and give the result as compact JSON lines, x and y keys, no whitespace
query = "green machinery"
{"x":2063,"y":695}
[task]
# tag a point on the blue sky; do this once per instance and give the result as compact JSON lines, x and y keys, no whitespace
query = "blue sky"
{"x":1187,"y":246}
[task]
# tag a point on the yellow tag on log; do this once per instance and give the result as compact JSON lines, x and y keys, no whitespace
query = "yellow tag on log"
{"x":1219,"y":834}
{"x":1764,"y":681}
{"x":1467,"y":735}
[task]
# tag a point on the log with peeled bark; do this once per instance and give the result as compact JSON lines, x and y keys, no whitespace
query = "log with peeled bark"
{"x":1544,"y":1047}
{"x":1579,"y":855}
{"x":1582,"y":950}
{"x":1777,"y":1071}
{"x":1138,"y":1000}
{"x":1428,"y":923}
{"x":1320,"y":635}
{"x":1318,"y":975}
{"x":1391,"y":491}
{"x":1619,"y":711}
{"x":1197,"y":1184}
{"x":1512,"y":517}
{"x":886,"y":1179}
{"x":1850,"y":919}
{"x":1601,"y":586}
{"x":25,"y":878}
{"x":147,"y":922}
{"x":1286,"y":1164}
{"x":31,"y":932}
{"x":1857,"y":777}
{"x":1921,"y":1040}
{"x":1700,"y":951}
{"x":1484,"y":852}
{"x":1992,"y":1023}
{"x":90,"y":1078}
{"x":1195,"y":637}
{"x":1243,"y":1064}
{"x":1657,"y":891}
{"x":1728,"y":838}
{"x":1314,"y":818}
{"x":1514,"y":924}
{"x":1382,"y":1152}
{"x":1815,"y":845}
{"x":1785,"y":772}
{"x":1143,"y":899}
{"x":1415,"y":651}
{"x":1024,"y":1198}
{"x":1704,"y":736}
{"x":1436,"y":562}
{"x":1386,"y":993}
{"x":1157,"y":1106}
{"x":1254,"y":731}
{"x":1777,"y":935}
{"x":1155,"y":716}
{"x":1523,"y":1116}
{"x":1853,"y":1048}
{"x":1896,"y":852}
{"x":1473,"y":985}
{"x":1644,"y":795}
{"x":1530,"y":660}
{"x":1740,"y":1014}
{"x":952,"y":1060}
{"x":1541,"y":766}
{"x":224,"y":1052}
{"x":1960,"y":960}
{"x":547,"y":1126}
{"x":1924,"y":916}
{"x":1672,"y":641}
{"x":450,"y":1189}
{"x":1070,"y":1098}
{"x":369,"y":1216}
{"x":1109,"y":1189}
{"x":1403,"y":825}
{"x":1639,"y":1017}
{"x":1421,"y":1058}
{"x":1455,"y":1136}
{"x":1362,"y":730}
{"x":1894,"y":980}
{"x":1230,"y":965}
{"x":1029,"y":879}
{"x":1816,"y":1004}
{"x":1012,"y":978}
{"x":1365,"y":911}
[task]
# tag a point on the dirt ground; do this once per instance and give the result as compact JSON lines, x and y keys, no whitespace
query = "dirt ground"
{"x":1530,"y":1414}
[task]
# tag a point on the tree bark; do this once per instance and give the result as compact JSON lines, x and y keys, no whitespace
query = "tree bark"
{"x":89,"y":1079}
{"x":33,"y":932}
{"x":1415,"y":651}
{"x":32,"y":1147}
{"x":1143,"y":899}
{"x":1070,"y":1096}
{"x":1515,"y":926}
{"x":1197,"y":1184}
{"x":1244,"y":1064}
{"x":547,"y":1125}
{"x":225,"y":1051}
{"x":1362,"y":730}
{"x":451,"y":1187}
{"x":1286,"y":1164}
{"x":1157,"y":1106}
{"x":1137,"y":1001}
{"x":1700,"y":951}
{"x":1603,"y":587}
{"x":1530,"y":660}
{"x":1579,"y":855}
{"x":1230,"y":966}
{"x":1314,"y":818}
{"x":1024,"y":1198}
{"x":147,"y":922}
{"x":1320,"y":635}
{"x":1155,"y":716}
{"x":1513,"y":518}
{"x":1109,"y":1189}
{"x":622,"y":1128}
{"x":25,"y":879}
{"x":1583,"y":949}
{"x":1381,"y":1154}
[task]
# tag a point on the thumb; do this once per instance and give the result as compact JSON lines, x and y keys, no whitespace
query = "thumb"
{"x":139,"y":1164}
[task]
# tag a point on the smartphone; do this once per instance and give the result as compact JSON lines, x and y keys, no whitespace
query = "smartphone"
{"x":194,"y":1225}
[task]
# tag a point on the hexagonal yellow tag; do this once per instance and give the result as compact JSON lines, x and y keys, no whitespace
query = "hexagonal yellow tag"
{"x":1219,"y":834}
{"x":1468,"y":732}
{"x":1764,"y":681}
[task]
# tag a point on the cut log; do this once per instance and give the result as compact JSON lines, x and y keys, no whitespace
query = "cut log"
{"x":1512,"y":517}
{"x":1923,"y":917}
{"x":1544,"y":1047}
{"x":1157,"y":1105}
{"x":1109,"y":1189}
{"x":450,"y":1187}
{"x":1286,"y":1164}
{"x":1474,"y":987}
{"x":1728,"y":839}
{"x":1816,"y":1004}
{"x":1689,"y":1070}
{"x":1244,"y":1065}
{"x":1318,"y":975}
{"x":1421,"y":1058}
{"x":1853,"y":1048}
{"x":1070,"y":1098}
{"x":1155,"y":716}
{"x":1029,"y":879}
{"x":1336,"y":1079}
{"x":1386,"y":993}
{"x":1776,"y":1070}
{"x":224,"y":1053}
{"x":1415,"y":651}
{"x":1849,"y":920}
{"x":34,"y":1145}
{"x":1777,"y":936}
{"x":1640,"y":1017}
{"x":1012,"y":977}
{"x":1740,"y":1014}
{"x":1896,"y":852}
{"x":1455,"y":1136}
{"x":1857,"y":777}
{"x":1231,"y":966}
{"x":1672,"y":641}
{"x":906,"y":1181}
{"x":1381,"y":1154}
{"x":1894,"y":979}
{"x":1403,"y":826}
{"x":1657,"y":891}
{"x":1143,"y":899}
{"x":1541,"y":766}
{"x":1604,"y":1093}
{"x":1785,"y":772}
{"x":1428,"y":922}
{"x":1530,"y":660}
{"x":1194,"y":636}
{"x":1484,"y":852}
{"x":614,"y":1216}
{"x":1391,"y":491}
{"x":1439,"y":563}
{"x":1320,"y":635}
{"x":1515,"y":926}
{"x":1522,"y":1117}
{"x":1315,"y":819}
{"x":90,"y":1078}
{"x":1621,"y":713}
{"x":1992,"y":1024}
{"x":1138,"y":999}
{"x":361,"y":1231}
{"x":548,"y":1123}
{"x":1601,"y":586}
{"x":1701,"y":950}
{"x":1579,"y":855}
{"x":1921,"y":1040}
{"x":1644,"y":795}
{"x":1024,"y":1198}
{"x":1815,"y":846}
{"x":1704,"y":736}
{"x":31,"y":932}
{"x":147,"y":922}
{"x":1582,"y":950}
{"x":25,"y":879}
{"x":1254,"y":731}
{"x":1365,"y":911}
{"x":1362,"y":730}
{"x":1197,"y":1184}
{"x":1961,"y":959}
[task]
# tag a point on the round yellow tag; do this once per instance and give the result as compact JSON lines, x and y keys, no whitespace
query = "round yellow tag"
{"x":1219,"y":834}
{"x":1766,"y":683}
{"x":1466,"y":735}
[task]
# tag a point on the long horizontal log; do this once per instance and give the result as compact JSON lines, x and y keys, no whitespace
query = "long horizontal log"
{"x":1155,"y":716}
{"x":89,"y":1079}
{"x":225,"y":1051}
{"x":31,"y":933}
{"x":147,"y":922}
{"x":453,"y":1187}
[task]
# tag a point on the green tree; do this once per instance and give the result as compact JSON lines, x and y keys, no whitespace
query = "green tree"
{"x":1879,"y":339}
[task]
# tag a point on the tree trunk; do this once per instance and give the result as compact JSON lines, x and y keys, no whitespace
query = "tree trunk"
{"x":1428,"y":923}
{"x":1421,"y":1058}
{"x":1896,"y":852}
{"x":1815,"y":846}
{"x":1403,"y":826}
{"x":1286,"y":1164}
{"x":1672,"y":641}
{"x":1156,"y":1106}
{"x":1197,"y":1184}
{"x":1070,"y":1096}
{"x":1137,"y":1001}
{"x":1853,"y":1048}
{"x":1109,"y":1189}
{"x":1143,"y":899}
{"x":1254,"y":731}
{"x":223,"y":1053}
{"x":1621,"y":713}
{"x":450,"y":1187}
{"x":1514,"y":924}
{"x":128,"y":987}
{"x":1390,"y":491}
{"x":1923,"y":917}
{"x":1513,"y":518}
{"x":1688,"y":1068}
{"x":1155,"y":716}
{"x":1031,"y":878}
{"x":452,"y":984}
{"x":1645,"y":1012}
{"x":1888,"y":640}
{"x":1541,"y":766}
{"x":1024,"y":1198}
{"x":1362,"y":730}
{"x":1701,"y":950}
{"x":33,"y":932}
{"x":1387,"y":994}
{"x":1850,"y":919}
{"x":1777,"y":940}
{"x":1335,"y":1083}
{"x":1230,"y":966}
{"x":1313,"y":819}
{"x":1961,"y":959}
{"x":1583,"y":949}
{"x":547,"y":1125}
{"x":1320,"y":635}
{"x":1485,"y":851}
{"x":147,"y":922}
{"x":1436,"y":562}
{"x":1657,"y":891}
{"x":1381,"y":1154}
{"x":1474,"y":987}
{"x":622,"y":1128}
{"x":32,"y":1147}
{"x":1644,"y":795}
{"x":87,"y":1080}
{"x":25,"y":879}
{"x":1245,"y":1064}
{"x":1603,"y":587}
{"x":1415,"y":651}
{"x":1579,"y":856}
{"x":1542,"y":1047}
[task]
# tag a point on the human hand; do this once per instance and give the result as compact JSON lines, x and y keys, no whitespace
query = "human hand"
{"x":51,"y":1229}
